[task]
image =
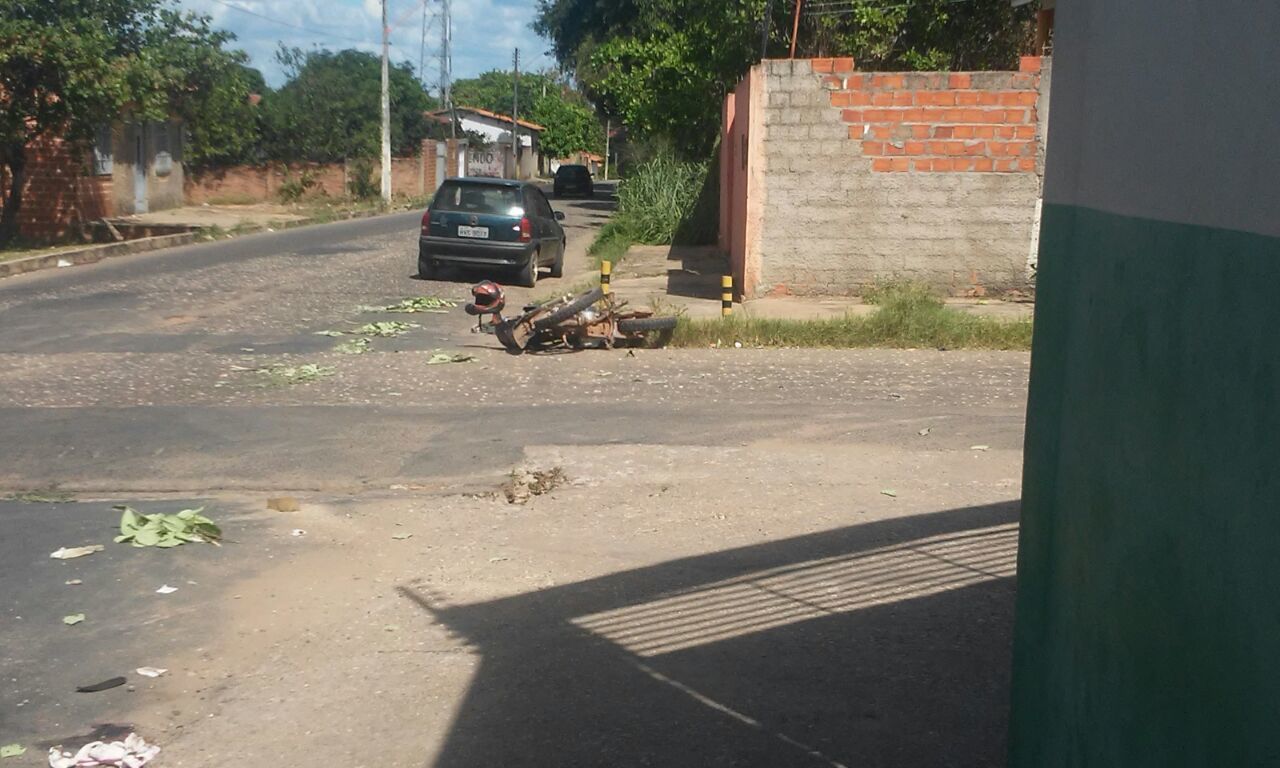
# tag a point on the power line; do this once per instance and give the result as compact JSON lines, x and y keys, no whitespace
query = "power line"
{"x":847,"y":7}
{"x":283,"y":23}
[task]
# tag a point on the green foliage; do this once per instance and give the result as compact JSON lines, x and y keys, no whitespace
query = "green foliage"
{"x":571,"y":124}
{"x":907,"y":316}
{"x":329,"y":110}
{"x":70,"y":66}
{"x":569,"y":127}
{"x":663,"y":66}
{"x":161,"y":530}
{"x":294,"y":188}
{"x":657,"y":196}
{"x":360,"y":182}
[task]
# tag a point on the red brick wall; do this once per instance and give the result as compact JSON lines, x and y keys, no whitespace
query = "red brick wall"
{"x":59,"y":194}
{"x":261,"y":183}
{"x":983,"y":122}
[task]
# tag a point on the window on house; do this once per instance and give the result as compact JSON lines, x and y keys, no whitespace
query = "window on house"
{"x":103,"y":161}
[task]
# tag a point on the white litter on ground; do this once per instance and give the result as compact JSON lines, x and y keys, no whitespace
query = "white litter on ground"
{"x":133,"y":752}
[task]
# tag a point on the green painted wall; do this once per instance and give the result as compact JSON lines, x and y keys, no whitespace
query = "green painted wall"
{"x":1148,"y":626}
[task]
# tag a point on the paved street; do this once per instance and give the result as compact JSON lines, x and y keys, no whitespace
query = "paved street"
{"x":756,"y":558}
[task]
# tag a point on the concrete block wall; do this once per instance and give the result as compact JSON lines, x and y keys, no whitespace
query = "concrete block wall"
{"x":59,"y":194}
{"x":928,"y":176}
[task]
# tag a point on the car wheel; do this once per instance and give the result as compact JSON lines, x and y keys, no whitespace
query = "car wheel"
{"x":426,"y":270}
{"x":529,"y":275}
{"x":557,"y":266}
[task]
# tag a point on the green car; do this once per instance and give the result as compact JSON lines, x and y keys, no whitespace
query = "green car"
{"x":492,"y":225}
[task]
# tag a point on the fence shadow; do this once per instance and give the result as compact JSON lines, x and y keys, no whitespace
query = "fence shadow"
{"x":884,"y":644}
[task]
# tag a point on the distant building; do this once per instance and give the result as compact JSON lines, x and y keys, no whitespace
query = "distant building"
{"x":494,"y":158}
{"x":129,"y":168}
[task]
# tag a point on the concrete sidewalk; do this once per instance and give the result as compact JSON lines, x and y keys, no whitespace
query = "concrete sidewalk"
{"x":687,"y":278}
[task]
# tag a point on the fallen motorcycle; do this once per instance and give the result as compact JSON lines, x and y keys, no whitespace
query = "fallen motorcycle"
{"x":589,"y":319}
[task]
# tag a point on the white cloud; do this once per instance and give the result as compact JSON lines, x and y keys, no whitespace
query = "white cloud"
{"x":484,"y":31}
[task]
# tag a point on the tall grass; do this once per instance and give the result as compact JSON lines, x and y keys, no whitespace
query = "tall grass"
{"x":906,"y":316}
{"x":657,"y":196}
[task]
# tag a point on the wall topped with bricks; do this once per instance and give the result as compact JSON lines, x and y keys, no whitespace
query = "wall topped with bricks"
{"x":866,"y":176}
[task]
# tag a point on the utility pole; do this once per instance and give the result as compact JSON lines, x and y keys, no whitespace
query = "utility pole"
{"x":446,"y":64}
{"x":515,"y":116}
{"x":386,"y":111}
{"x":608,"y":128}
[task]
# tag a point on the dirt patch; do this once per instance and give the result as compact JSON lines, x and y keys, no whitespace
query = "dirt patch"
{"x":524,"y":484}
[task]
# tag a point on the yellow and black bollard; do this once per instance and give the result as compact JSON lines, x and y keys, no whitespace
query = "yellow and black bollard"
{"x":606,"y":270}
{"x":726,"y":295}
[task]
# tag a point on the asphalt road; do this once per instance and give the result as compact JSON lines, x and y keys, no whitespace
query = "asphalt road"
{"x":135,"y":381}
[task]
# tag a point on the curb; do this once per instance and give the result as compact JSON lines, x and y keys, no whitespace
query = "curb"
{"x":92,"y":253}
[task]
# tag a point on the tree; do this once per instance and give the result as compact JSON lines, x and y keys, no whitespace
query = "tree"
{"x":329,"y":108}
{"x":70,"y":66}
{"x":569,"y":127}
{"x":571,"y":124}
{"x":663,"y":66}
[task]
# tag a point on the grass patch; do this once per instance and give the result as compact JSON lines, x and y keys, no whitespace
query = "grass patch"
{"x":611,"y":243}
{"x":233,"y":198}
{"x":906,"y":316}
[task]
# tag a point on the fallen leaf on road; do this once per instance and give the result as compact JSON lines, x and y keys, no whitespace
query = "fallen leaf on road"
{"x":12,"y":750}
{"x":889,"y":492}
{"x":150,"y":671}
{"x":979,"y":447}
{"x":69,"y":553}
{"x":283,"y":504}
{"x":440,"y":358}
{"x":385,"y":329}
{"x":401,"y":536}
{"x":161,"y":530}
{"x":330,"y":333}
{"x":166,"y":590}
{"x":42,"y":497}
{"x":280,"y":375}
{"x":105,"y":685}
{"x":418,"y":304}
{"x":74,"y":618}
{"x":353,"y":347}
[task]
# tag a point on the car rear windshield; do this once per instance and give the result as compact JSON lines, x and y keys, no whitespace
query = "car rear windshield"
{"x":572,"y":170}
{"x":478,"y":198}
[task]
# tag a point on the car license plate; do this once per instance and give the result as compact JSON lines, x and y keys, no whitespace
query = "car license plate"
{"x":481,"y":232}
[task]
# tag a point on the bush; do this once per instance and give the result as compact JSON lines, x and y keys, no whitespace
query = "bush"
{"x":657,"y":196}
{"x":293,"y":188}
{"x":360,"y":182}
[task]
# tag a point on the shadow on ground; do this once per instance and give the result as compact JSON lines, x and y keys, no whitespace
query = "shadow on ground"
{"x":884,"y":644}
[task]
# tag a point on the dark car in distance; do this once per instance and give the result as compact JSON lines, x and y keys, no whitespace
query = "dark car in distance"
{"x":491,"y":224}
{"x":575,"y":179}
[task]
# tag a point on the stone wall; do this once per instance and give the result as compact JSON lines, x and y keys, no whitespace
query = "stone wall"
{"x":864,"y":177}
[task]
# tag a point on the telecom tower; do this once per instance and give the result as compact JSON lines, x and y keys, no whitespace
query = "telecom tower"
{"x":438,"y":12}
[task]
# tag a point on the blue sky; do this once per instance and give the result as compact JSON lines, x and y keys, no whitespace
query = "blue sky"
{"x":484,"y":31}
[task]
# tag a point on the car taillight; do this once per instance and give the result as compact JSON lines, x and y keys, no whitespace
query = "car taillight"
{"x":426,"y":221}
{"x":526,"y":230}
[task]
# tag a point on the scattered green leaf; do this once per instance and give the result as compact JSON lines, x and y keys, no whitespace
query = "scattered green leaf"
{"x":42,"y":497}
{"x":440,"y":358}
{"x":12,"y":750}
{"x":385,"y":329}
{"x":280,"y":374}
{"x":330,"y":333}
{"x":890,"y":493}
{"x":74,"y":618}
{"x":161,"y":530}
{"x":433,"y":304}
{"x":353,"y":346}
